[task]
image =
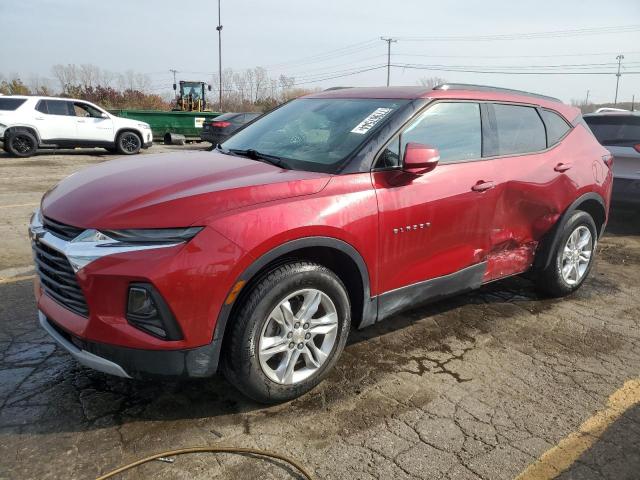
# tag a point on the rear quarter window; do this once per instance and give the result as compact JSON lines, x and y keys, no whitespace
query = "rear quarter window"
{"x":10,"y":104}
{"x":615,"y":129}
{"x":557,"y":127}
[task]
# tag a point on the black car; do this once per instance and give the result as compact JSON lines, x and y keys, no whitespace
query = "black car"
{"x":619,"y":132}
{"x":222,"y":127}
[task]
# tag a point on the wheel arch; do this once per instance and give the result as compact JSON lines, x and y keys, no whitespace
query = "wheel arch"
{"x":24,"y":128}
{"x":128,"y":129}
{"x":339,"y":256}
{"x":593,"y":204}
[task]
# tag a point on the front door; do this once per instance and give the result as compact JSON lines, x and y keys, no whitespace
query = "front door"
{"x":91,"y":126}
{"x":435,"y":226}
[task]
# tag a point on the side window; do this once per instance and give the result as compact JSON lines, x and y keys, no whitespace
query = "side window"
{"x":556,"y":126}
{"x":42,"y":106}
{"x":58,"y":107}
{"x":519,"y":129}
{"x":84,"y":110}
{"x":451,"y":127}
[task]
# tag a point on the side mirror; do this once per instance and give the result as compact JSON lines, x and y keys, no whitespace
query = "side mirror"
{"x":209,"y":87}
{"x":104,"y":115}
{"x":419,"y":159}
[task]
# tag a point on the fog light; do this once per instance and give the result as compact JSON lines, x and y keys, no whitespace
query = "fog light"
{"x":141,"y":304}
{"x":147,"y":310}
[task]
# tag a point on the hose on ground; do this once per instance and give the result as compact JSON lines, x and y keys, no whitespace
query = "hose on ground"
{"x":232,"y":450}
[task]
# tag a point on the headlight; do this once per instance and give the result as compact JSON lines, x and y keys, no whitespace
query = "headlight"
{"x":152,"y":235}
{"x":144,"y":126}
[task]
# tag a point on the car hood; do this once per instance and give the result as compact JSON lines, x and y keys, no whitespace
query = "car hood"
{"x":171,"y":190}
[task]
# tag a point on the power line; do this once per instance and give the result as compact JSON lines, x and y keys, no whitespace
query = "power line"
{"x":503,"y":72}
{"x":516,"y":56}
{"x":525,"y":36}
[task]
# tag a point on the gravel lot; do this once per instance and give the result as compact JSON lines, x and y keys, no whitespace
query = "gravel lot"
{"x":476,"y":387}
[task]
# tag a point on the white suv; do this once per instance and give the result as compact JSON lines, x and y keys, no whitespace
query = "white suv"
{"x":29,"y":123}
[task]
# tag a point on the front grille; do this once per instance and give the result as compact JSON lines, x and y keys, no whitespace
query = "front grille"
{"x":58,"y":279}
{"x":60,"y":230}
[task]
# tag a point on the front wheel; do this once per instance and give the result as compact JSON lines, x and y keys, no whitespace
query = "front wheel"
{"x":288,"y":334}
{"x":573,"y":257}
{"x":128,"y":143}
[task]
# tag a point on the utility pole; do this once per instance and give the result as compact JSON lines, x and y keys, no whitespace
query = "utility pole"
{"x":219,"y":29}
{"x":389,"y":41}
{"x":175,"y":93}
{"x":633,"y":102}
{"x":619,"y":58}
{"x":586,"y":102}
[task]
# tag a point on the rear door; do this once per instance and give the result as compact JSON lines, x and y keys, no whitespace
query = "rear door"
{"x":91,"y":126}
{"x":535,"y":182}
{"x":438,"y":223}
{"x":55,"y":120}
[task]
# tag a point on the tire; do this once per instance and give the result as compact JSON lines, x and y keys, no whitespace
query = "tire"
{"x":249,"y":365}
{"x":552,"y":281}
{"x":21,"y":144}
{"x":128,"y":143}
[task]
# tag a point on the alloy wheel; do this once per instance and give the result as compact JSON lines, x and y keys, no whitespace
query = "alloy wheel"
{"x":576,"y":255}
{"x":298,"y":336}
{"x":21,"y":144}
{"x":130,"y":142}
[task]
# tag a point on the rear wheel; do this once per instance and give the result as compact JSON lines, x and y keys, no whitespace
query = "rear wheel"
{"x":21,"y":144}
{"x":128,"y":143}
{"x":288,"y":334}
{"x":573,"y":257}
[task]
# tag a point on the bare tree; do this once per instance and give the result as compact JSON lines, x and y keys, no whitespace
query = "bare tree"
{"x":261,"y":81}
{"x":431,"y":82}
{"x":88,"y":75}
{"x":67,"y":75}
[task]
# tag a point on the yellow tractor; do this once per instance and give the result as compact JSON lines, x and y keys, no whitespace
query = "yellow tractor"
{"x":191,"y":97}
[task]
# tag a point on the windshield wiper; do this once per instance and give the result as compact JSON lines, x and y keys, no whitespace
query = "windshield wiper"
{"x":263,"y":157}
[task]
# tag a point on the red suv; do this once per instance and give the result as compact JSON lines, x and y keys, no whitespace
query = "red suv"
{"x":332,"y":212}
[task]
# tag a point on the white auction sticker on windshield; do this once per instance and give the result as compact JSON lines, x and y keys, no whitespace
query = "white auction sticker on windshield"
{"x":368,"y":123}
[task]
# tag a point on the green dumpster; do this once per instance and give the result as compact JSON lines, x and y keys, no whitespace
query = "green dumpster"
{"x":164,"y":123}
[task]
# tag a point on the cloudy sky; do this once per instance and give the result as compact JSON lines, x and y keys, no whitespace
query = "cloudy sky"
{"x":315,"y":40}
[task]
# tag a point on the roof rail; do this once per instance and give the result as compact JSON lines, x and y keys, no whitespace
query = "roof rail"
{"x":487,"y":88}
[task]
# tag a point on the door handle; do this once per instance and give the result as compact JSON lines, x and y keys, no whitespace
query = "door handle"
{"x":80,"y":121}
{"x":39,"y":118}
{"x":562,"y":167}
{"x":483,"y":186}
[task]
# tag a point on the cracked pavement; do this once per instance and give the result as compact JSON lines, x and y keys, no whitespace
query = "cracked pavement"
{"x":475,"y":387}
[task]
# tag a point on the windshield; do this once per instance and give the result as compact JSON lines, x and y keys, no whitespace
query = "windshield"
{"x":315,"y":134}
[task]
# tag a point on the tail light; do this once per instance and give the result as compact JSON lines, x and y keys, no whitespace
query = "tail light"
{"x":220,"y":124}
{"x":608,"y":160}
{"x":637,"y":147}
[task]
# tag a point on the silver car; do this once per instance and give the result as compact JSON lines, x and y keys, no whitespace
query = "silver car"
{"x":619,"y":132}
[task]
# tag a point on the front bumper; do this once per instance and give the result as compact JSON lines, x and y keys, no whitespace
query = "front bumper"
{"x":192,"y":278}
{"x":135,"y":363}
{"x":87,"y":359}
